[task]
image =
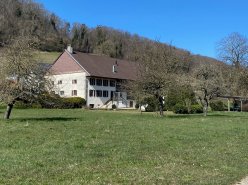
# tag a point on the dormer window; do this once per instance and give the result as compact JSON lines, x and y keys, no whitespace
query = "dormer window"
{"x":114,"y":69}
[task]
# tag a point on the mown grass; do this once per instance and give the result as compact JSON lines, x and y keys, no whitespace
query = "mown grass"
{"x":47,"y":57}
{"x":111,"y":147}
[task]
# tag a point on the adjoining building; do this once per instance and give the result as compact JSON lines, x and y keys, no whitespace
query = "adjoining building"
{"x":97,"y":79}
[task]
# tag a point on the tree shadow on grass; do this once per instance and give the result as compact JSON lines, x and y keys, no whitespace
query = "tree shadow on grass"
{"x":228,"y":116}
{"x":180,"y":116}
{"x":51,"y":119}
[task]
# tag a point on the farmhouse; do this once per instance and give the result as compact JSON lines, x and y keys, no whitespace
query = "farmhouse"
{"x":95,"y":78}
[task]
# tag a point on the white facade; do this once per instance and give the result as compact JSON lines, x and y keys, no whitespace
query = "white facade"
{"x":95,"y":95}
{"x":96,"y":101}
{"x":66,"y":85}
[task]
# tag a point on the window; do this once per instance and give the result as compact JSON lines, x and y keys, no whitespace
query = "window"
{"x":92,"y":93}
{"x":74,"y":92}
{"x":105,"y":93}
{"x":112,"y":83}
{"x":52,"y":82}
{"x":74,"y":81}
{"x":98,"y":93}
{"x":99,"y":82}
{"x":105,"y":83}
{"x":92,"y":81}
{"x":60,"y":82}
{"x":62,"y":93}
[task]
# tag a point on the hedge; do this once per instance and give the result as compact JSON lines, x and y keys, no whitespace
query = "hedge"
{"x":51,"y":102}
{"x":196,"y":109}
{"x":218,"y":106}
{"x":72,"y":103}
{"x":182,"y":109}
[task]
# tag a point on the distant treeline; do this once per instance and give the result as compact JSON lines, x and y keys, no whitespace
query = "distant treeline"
{"x":26,"y":17}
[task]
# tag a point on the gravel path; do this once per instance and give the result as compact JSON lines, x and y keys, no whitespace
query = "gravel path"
{"x":243,"y":181}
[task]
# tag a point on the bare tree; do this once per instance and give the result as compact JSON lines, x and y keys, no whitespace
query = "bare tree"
{"x":233,"y":50}
{"x":208,"y":83}
{"x":159,"y":68}
{"x":22,"y":78}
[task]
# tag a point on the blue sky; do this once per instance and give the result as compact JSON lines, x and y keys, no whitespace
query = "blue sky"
{"x":195,"y":25}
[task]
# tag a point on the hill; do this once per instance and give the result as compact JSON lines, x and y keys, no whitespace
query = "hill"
{"x":27,"y":17}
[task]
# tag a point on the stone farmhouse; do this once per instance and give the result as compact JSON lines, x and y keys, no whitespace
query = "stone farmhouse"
{"x":95,"y":78}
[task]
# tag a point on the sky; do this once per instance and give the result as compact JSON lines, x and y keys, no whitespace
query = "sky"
{"x":194,"y":25}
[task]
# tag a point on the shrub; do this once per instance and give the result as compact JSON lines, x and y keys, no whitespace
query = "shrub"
{"x":22,"y":105}
{"x":2,"y":106}
{"x":137,"y":106}
{"x":26,"y":105}
{"x":151,"y":103}
{"x":50,"y":101}
{"x":180,"y":109}
{"x":196,"y":109}
{"x":217,"y":106}
{"x":36,"y":106}
{"x":179,"y":95}
{"x":114,"y":106}
{"x":72,"y":103}
{"x":151,"y":108}
{"x":54,"y":101}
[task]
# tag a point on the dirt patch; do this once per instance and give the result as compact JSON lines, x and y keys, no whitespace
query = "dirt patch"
{"x":243,"y":181}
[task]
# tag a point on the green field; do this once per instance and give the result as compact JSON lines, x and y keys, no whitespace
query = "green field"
{"x":47,"y":57}
{"x":112,"y":147}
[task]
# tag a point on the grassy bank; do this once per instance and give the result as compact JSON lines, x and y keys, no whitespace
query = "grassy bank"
{"x":111,"y":147}
{"x":47,"y":57}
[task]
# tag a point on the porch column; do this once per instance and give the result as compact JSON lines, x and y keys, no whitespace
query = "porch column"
{"x":241,"y":105}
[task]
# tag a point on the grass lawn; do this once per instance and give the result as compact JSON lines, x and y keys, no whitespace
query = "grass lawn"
{"x":111,"y":147}
{"x":47,"y":57}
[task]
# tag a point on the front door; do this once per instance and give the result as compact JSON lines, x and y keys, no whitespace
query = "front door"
{"x":131,"y":104}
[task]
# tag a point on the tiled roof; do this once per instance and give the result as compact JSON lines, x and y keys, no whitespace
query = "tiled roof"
{"x":102,"y":66}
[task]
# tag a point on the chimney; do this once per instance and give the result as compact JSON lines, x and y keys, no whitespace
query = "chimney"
{"x":69,"y":49}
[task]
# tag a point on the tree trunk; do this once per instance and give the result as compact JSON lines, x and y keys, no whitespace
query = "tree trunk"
{"x":161,"y":111}
{"x":205,"y":110}
{"x":161,"y":106}
{"x":8,"y":110}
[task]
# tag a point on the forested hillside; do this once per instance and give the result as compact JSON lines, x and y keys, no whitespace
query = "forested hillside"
{"x":26,"y":17}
